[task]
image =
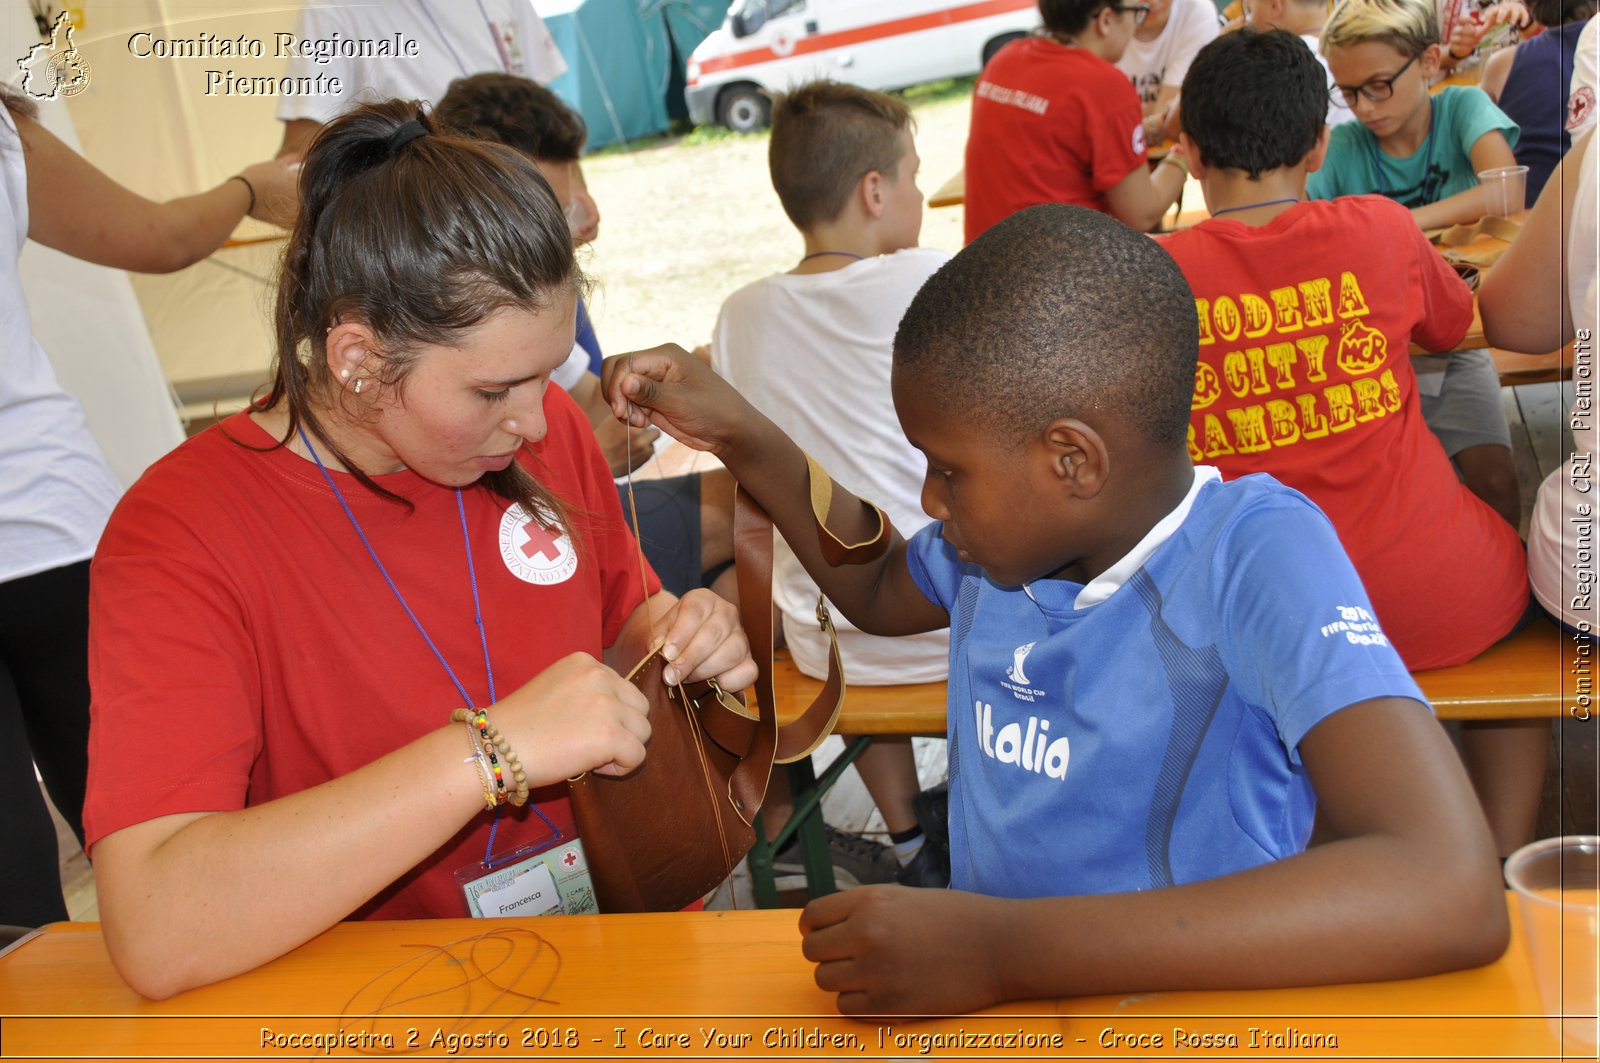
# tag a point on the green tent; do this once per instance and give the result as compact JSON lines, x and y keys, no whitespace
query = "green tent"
{"x":625,"y":60}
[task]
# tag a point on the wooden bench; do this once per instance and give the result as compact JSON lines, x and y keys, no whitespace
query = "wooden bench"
{"x":1527,"y":676}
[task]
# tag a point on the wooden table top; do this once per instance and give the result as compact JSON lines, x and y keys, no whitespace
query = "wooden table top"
{"x":630,"y":985}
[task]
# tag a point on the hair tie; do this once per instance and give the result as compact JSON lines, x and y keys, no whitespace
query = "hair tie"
{"x":405,"y":134}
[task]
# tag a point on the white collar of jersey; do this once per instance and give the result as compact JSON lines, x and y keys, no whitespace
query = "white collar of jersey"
{"x":1105,"y":585}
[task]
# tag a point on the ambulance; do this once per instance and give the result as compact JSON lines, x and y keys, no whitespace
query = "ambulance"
{"x":769,"y":46}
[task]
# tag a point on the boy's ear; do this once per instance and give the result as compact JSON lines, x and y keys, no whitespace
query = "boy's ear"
{"x":1318,"y":152}
{"x":1192,"y":156}
{"x":870,"y":192}
{"x":1077,"y":456}
{"x":1432,"y":56}
{"x":1101,"y":23}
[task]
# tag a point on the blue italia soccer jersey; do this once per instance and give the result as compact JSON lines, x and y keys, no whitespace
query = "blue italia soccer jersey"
{"x":1143,"y":731}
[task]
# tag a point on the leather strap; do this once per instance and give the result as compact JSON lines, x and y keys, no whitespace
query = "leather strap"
{"x":752,"y":548}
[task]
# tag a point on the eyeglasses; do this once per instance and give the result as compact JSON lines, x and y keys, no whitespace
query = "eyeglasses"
{"x":1377,"y":90}
{"x":1140,"y":11}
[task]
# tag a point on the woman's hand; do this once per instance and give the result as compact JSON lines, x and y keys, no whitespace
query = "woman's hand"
{"x":704,"y":641}
{"x":668,"y":387}
{"x":277,"y":190}
{"x":575,"y":716}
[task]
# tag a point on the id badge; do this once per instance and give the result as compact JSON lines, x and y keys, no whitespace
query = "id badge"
{"x":548,"y":877}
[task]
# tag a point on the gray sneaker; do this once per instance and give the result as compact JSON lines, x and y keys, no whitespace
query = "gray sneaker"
{"x":857,"y":860}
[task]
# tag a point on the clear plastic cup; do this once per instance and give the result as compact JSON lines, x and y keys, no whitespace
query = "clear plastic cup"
{"x":1505,"y":191}
{"x":1557,"y":881}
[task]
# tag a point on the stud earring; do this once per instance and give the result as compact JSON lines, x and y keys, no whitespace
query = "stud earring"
{"x":344,"y":374}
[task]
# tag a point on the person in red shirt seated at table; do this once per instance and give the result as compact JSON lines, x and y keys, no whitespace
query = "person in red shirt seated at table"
{"x":1053,"y":121}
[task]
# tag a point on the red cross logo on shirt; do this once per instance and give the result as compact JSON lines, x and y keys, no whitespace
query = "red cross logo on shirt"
{"x":1579,"y":106}
{"x":541,"y":541}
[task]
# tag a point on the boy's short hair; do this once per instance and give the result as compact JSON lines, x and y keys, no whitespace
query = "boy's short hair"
{"x":827,"y":136}
{"x":1068,"y":16}
{"x":1054,"y":312}
{"x":1560,"y":12}
{"x":1408,"y":26}
{"x":1254,"y":101}
{"x":513,"y":111}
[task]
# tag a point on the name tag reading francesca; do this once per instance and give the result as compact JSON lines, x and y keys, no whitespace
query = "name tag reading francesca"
{"x":550,"y":877}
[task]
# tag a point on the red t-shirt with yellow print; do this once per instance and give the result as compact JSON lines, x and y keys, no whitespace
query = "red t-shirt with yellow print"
{"x":1305,"y":373}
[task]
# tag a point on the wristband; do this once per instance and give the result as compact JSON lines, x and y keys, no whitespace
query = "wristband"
{"x":248,"y":187}
{"x":1174,"y":159}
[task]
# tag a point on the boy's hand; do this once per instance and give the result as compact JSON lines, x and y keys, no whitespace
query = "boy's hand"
{"x":893,"y":950}
{"x":668,"y":387}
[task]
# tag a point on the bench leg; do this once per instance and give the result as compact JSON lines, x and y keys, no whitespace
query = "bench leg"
{"x":805,"y":821}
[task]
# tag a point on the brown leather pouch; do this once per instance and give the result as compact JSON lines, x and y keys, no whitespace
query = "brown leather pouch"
{"x":666,"y":834}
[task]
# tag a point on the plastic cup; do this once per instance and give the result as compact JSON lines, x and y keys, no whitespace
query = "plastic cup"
{"x":1505,"y":190}
{"x":1558,"y":889}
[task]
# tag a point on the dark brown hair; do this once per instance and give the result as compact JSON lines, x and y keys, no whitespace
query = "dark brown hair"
{"x":514,"y":111}
{"x":826,"y":137}
{"x":420,"y":239}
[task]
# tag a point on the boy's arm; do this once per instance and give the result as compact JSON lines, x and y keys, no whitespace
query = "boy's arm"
{"x":670,"y":388}
{"x":1407,"y":887}
{"x":1442,"y":301}
{"x":1490,"y":151}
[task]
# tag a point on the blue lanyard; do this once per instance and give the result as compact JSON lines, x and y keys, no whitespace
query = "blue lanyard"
{"x":477,"y":617}
{"x":1427,"y":161}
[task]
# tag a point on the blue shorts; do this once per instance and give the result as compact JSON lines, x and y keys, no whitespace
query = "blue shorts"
{"x":669,"y":528}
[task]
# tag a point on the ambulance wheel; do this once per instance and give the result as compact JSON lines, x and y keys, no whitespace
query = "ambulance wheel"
{"x":744,"y":108}
{"x":999,"y":43}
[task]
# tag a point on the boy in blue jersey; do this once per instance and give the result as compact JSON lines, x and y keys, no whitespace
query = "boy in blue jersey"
{"x":1156,"y":678}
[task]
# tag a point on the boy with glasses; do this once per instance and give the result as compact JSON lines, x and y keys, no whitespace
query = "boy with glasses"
{"x":1053,"y":121}
{"x":1423,"y":151}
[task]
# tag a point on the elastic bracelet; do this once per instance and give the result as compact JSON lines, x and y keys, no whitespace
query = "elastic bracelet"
{"x":242,"y":179}
{"x":480,"y":767}
{"x":1175,"y":160}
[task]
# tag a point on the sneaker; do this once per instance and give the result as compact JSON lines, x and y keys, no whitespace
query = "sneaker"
{"x":857,"y":860}
{"x":929,"y":869}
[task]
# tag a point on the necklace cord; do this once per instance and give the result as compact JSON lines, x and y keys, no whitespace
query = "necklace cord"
{"x":1252,"y":206}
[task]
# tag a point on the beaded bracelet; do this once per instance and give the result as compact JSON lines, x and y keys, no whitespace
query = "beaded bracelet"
{"x":491,"y":740}
{"x":481,"y":766}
